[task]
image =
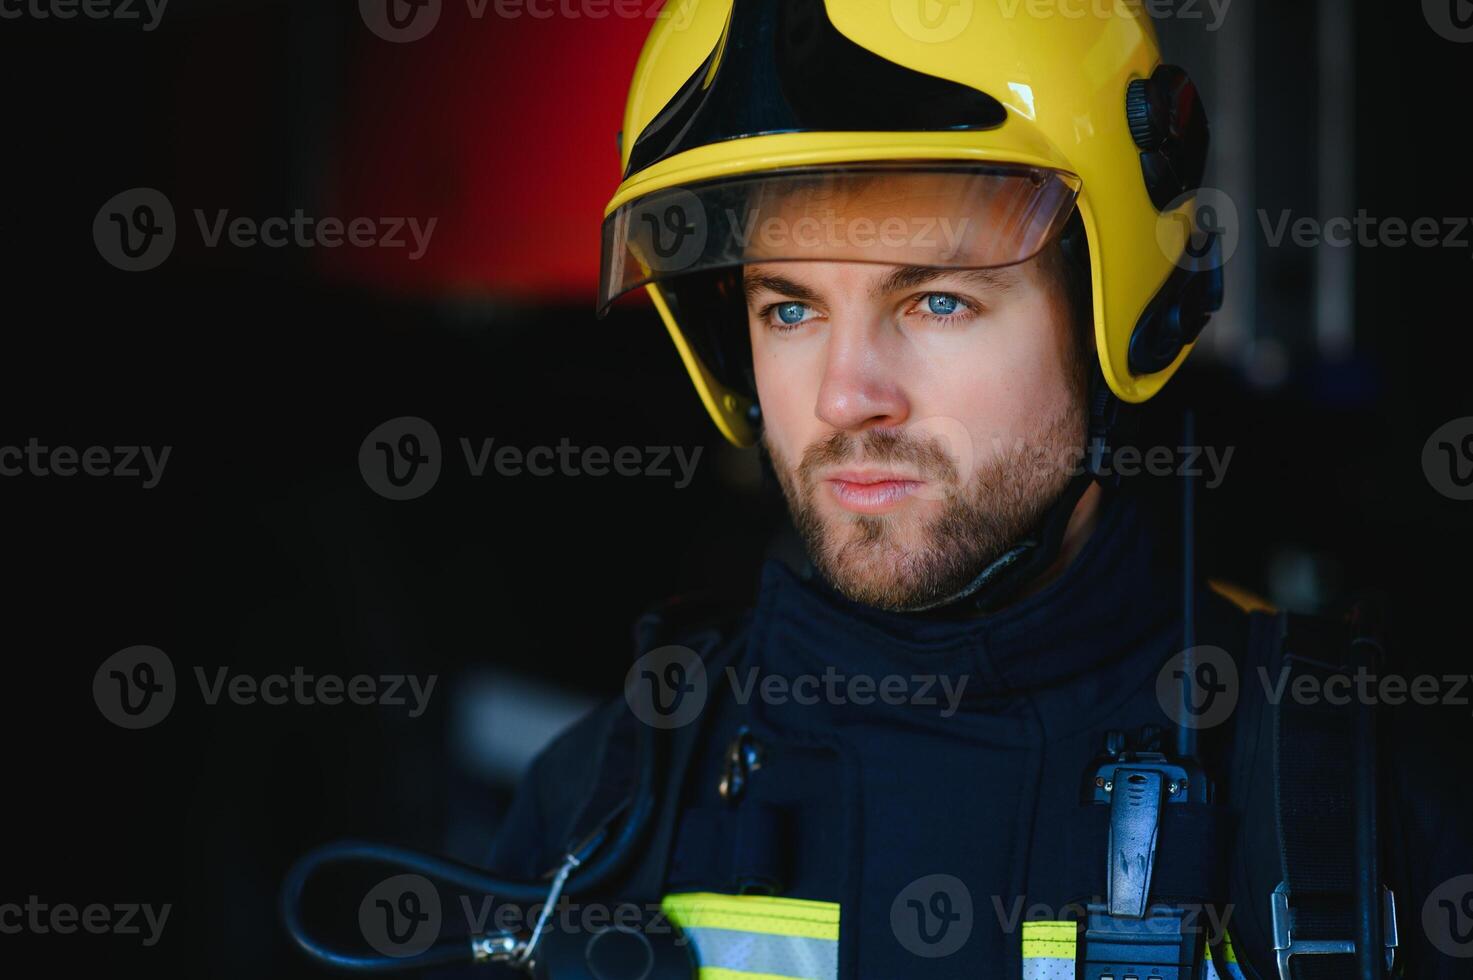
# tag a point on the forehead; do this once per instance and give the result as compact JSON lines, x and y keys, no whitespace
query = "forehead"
{"x":811,"y":279}
{"x":874,"y":195}
{"x":906,"y":218}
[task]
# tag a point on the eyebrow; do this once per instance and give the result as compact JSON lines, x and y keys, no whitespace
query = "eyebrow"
{"x":911,"y":276}
{"x":782,"y":285}
{"x":905,"y":277}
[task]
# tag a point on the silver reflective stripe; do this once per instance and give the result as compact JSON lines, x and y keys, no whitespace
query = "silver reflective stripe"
{"x":1048,"y":968}
{"x":756,"y":952}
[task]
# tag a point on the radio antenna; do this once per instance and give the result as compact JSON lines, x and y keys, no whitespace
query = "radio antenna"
{"x":1186,"y":734}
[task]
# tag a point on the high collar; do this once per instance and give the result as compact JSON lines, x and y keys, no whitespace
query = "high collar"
{"x":1100,"y":608}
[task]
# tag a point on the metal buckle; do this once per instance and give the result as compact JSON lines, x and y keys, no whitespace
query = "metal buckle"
{"x":743,"y":757}
{"x":1285,"y":946}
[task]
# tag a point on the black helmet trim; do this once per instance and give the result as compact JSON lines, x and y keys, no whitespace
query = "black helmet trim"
{"x":782,"y":66}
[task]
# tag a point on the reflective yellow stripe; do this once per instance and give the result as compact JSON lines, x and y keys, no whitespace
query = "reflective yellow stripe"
{"x":757,"y":937}
{"x":1049,"y":950}
{"x":1233,"y":971}
{"x":754,"y":913}
{"x":1049,"y":940}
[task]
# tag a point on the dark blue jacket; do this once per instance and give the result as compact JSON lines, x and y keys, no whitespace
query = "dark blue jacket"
{"x":927,"y":776}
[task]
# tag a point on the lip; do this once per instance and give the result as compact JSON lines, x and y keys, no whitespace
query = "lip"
{"x":871,"y":491}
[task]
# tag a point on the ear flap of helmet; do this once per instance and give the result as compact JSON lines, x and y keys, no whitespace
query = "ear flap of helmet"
{"x":711,"y":310}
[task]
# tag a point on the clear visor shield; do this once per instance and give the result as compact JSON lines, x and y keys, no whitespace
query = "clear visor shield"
{"x":953,"y":216}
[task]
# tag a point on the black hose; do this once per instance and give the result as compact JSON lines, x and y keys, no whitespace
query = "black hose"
{"x":612,"y":856}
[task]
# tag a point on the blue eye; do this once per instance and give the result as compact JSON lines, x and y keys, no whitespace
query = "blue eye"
{"x":942,"y":304}
{"x":791,"y":313}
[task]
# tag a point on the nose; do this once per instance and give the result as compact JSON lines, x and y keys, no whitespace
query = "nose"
{"x":860,"y":388}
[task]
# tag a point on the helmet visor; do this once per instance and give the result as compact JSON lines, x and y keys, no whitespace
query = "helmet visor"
{"x":944,"y":215}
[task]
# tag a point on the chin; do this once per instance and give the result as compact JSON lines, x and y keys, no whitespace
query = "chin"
{"x":877,"y":569}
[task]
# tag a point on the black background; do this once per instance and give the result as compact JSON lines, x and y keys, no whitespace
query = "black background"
{"x":263,"y":549}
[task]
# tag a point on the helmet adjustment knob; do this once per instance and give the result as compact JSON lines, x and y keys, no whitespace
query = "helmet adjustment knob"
{"x":1169,"y":127}
{"x":1144,"y":128}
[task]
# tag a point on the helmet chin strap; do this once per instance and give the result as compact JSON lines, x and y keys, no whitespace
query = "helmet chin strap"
{"x":1019,"y":565}
{"x":1037,"y":552}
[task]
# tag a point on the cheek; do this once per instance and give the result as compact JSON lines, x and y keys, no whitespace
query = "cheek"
{"x":787,"y":390}
{"x":1002,"y":378}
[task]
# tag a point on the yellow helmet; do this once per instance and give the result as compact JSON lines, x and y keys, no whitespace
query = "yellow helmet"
{"x":977,"y":105}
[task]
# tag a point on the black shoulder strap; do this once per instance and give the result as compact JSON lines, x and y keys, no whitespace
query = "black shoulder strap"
{"x":1306,"y":875}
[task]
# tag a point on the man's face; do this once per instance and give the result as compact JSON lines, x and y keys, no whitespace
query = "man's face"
{"x":920,"y":421}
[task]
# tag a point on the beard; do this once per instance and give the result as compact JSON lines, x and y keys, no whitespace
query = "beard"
{"x":898,"y":562}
